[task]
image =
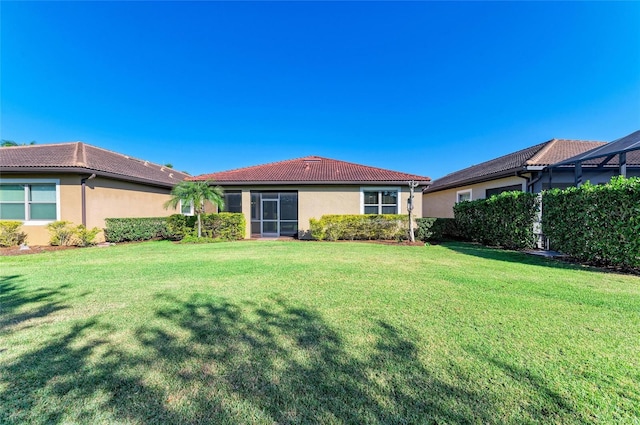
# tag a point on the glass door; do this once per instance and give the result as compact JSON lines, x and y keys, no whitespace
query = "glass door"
{"x":270,"y":221}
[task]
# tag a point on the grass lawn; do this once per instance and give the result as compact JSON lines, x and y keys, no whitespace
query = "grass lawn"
{"x":292,"y":332}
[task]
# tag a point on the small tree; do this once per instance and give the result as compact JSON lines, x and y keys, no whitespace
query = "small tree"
{"x":196,"y":193}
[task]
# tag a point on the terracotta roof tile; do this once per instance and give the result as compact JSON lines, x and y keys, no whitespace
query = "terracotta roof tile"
{"x":78,"y":157}
{"x":310,"y":169}
{"x":543,"y":154}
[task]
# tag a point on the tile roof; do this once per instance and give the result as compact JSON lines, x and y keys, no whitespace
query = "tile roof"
{"x":309,"y":170}
{"x":599,"y":155}
{"x":543,"y":154}
{"x":82,"y":158}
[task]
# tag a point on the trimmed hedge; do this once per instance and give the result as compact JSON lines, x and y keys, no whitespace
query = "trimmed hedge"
{"x":596,"y":224}
{"x":223,"y":226}
{"x":136,"y":229}
{"x":351,"y":227}
{"x":10,"y":234}
{"x":436,"y":229}
{"x":180,"y":226}
{"x":503,"y":220}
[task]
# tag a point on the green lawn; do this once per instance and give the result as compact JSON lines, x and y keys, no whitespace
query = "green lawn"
{"x":293,"y":332}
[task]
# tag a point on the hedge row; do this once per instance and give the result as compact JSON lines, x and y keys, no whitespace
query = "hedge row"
{"x":596,"y":224}
{"x":135,"y":229}
{"x":360,"y":227}
{"x":224,"y":226}
{"x":436,"y":229}
{"x":504,"y":220}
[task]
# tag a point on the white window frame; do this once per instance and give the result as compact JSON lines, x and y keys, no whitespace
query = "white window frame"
{"x":27,"y":221}
{"x":396,"y":189}
{"x":191,"y":210}
{"x":461,"y":192}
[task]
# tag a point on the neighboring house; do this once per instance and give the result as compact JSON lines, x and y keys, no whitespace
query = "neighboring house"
{"x":622,"y":156}
{"x":279,"y":199}
{"x":79,"y":183}
{"x":522,"y":170}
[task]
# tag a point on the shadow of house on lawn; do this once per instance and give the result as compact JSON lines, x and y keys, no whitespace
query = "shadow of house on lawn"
{"x":497,"y":254}
{"x":210,"y":361}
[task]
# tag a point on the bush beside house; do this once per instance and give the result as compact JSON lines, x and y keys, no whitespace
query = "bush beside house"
{"x":504,"y":220}
{"x":65,"y":233}
{"x":436,"y":229}
{"x":599,"y":224}
{"x":10,"y":234}
{"x":221,"y":226}
{"x":333,"y":227}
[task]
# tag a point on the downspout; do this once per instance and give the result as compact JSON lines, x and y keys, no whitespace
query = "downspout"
{"x":531,"y":183}
{"x":526,"y":179}
{"x":83,"y":183}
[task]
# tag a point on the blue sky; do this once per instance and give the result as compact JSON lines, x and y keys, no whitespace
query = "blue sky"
{"x":420,"y":87}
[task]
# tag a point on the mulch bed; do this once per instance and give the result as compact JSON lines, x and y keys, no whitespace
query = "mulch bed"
{"x":15,"y":250}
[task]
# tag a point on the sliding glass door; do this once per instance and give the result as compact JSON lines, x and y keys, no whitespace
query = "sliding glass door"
{"x":274,"y":214}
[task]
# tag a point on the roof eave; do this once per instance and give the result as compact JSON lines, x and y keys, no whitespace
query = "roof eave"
{"x":82,"y":170}
{"x":499,"y":175}
{"x":314,"y":182}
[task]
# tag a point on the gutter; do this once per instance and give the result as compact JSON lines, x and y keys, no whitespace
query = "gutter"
{"x":83,"y":183}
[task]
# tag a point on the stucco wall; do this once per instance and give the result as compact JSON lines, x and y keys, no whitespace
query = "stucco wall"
{"x":440,"y":204}
{"x":105,"y":198}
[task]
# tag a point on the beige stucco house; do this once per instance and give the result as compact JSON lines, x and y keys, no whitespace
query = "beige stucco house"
{"x":279,"y":199}
{"x":523,"y":170}
{"x":80,"y":183}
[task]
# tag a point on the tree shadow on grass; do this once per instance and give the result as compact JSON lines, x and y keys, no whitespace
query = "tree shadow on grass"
{"x":211,"y":361}
{"x":19,"y":304}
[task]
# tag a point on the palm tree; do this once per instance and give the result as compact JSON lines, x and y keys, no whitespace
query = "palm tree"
{"x":196,"y":193}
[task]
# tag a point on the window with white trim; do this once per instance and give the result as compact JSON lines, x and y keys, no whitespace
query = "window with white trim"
{"x":186,"y":208}
{"x":463,"y":195}
{"x":27,"y":201}
{"x":380,"y":201}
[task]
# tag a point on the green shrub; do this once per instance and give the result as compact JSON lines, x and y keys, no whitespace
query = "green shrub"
{"x":10,"y":234}
{"x":84,"y":236}
{"x":596,"y":224}
{"x":179,"y":226}
{"x":444,"y":228}
{"x":317,"y":230}
{"x":503,"y":220}
{"x":424,"y":230}
{"x":334,"y":227}
{"x":136,"y":229}
{"x":64,"y":233}
{"x":225,"y":226}
{"x":436,"y":229}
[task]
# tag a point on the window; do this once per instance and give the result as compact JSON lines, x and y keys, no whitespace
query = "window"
{"x":29,"y":200}
{"x":186,"y":209}
{"x":233,"y":201}
{"x":380,"y":201}
{"x":499,"y":190}
{"x":463,"y":195}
